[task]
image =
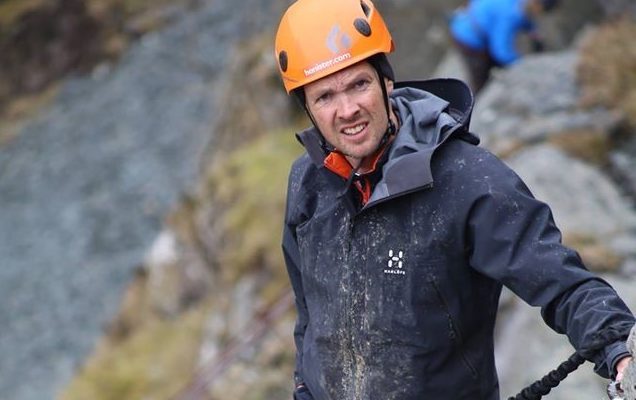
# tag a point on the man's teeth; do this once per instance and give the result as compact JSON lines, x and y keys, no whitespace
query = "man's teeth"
{"x":354,"y":130}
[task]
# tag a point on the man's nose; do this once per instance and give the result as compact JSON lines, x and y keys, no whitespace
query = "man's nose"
{"x":347,"y":106}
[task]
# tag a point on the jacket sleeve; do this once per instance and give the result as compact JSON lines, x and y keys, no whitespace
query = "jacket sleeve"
{"x":291,"y":255}
{"x":514,"y":240}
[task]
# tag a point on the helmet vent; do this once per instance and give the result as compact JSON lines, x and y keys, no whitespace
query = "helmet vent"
{"x":365,"y":8}
{"x":362,"y":26}
{"x":282,"y":60}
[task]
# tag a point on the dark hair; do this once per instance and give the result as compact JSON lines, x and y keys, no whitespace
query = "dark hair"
{"x":381,"y":64}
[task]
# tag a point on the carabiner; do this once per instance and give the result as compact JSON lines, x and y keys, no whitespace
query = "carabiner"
{"x":614,"y":391}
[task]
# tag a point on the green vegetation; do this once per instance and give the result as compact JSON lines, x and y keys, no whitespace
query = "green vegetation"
{"x":152,"y":363}
{"x":590,"y":145}
{"x":247,"y":190}
{"x":596,"y":256}
{"x":150,"y":356}
{"x":10,"y":10}
{"x":607,"y":67}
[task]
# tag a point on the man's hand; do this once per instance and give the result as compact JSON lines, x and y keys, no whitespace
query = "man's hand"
{"x":620,"y":367}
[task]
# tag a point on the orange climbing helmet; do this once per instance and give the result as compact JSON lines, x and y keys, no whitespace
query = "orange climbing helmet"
{"x":316,"y":38}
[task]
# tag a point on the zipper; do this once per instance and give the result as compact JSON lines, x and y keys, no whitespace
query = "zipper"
{"x":354,"y":301}
{"x":455,"y":333}
{"x":349,"y":303}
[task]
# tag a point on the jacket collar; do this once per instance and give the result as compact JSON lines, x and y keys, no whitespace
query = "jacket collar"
{"x":427,"y":121}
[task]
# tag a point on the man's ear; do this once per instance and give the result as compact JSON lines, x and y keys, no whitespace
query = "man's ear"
{"x":389,"y":85}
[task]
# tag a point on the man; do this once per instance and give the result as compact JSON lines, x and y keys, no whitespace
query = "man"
{"x":486,"y":33}
{"x":400,"y":231}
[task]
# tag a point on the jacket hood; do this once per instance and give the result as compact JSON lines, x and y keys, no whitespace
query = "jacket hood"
{"x":423,"y":120}
{"x":426,"y":121}
{"x":424,"y":125}
{"x":458,"y":95}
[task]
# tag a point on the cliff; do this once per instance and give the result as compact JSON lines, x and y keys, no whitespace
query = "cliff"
{"x":143,"y":202}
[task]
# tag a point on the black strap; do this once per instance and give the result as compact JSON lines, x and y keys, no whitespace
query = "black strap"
{"x":553,"y":378}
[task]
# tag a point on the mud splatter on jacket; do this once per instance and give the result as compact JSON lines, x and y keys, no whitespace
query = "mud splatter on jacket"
{"x":397,"y":299}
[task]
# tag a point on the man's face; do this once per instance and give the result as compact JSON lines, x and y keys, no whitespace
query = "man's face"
{"x":348,"y":108}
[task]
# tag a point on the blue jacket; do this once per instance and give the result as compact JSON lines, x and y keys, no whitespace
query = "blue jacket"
{"x":398,"y":299}
{"x":492,"y":25}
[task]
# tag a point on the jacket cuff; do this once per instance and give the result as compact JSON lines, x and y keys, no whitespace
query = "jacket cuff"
{"x":613,"y":354}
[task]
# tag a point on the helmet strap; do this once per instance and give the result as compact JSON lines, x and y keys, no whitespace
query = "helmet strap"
{"x":391,"y":129}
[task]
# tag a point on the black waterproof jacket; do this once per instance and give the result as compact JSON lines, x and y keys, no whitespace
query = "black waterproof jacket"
{"x":397,"y":299}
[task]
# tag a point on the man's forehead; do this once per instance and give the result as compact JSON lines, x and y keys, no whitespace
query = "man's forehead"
{"x":341,"y":77}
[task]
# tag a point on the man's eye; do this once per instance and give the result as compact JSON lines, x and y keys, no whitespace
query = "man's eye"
{"x":323,"y":98}
{"x":362,"y":84}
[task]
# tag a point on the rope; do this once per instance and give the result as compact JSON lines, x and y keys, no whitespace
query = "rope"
{"x":553,"y":378}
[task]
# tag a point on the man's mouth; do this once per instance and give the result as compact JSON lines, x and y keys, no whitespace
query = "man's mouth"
{"x":354,"y":130}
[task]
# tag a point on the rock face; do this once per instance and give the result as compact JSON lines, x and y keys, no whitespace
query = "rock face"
{"x":629,"y":379}
{"x":45,"y":43}
{"x":543,"y":135}
{"x":618,"y":8}
{"x":85,"y":185}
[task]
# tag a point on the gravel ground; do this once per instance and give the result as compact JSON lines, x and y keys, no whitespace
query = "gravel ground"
{"x":85,"y":185}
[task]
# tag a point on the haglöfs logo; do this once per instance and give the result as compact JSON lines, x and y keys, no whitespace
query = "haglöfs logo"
{"x":395,"y":263}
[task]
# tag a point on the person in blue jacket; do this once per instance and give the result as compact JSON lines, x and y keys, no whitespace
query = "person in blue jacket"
{"x":486,"y":33}
{"x":400,"y":232}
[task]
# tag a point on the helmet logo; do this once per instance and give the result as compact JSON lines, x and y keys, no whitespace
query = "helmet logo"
{"x":337,"y":40}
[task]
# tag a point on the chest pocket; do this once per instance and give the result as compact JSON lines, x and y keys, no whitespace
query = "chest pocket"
{"x":407,"y":297}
